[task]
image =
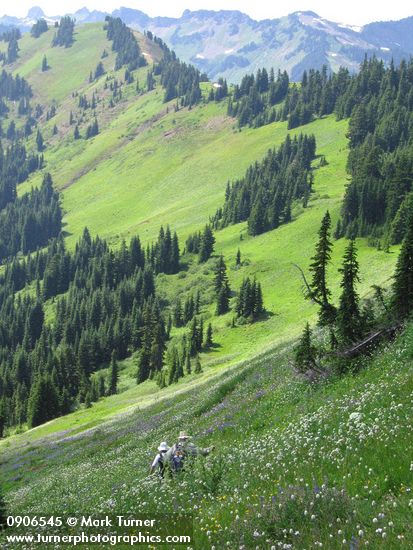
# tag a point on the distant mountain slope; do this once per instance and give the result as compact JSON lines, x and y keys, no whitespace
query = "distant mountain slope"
{"x":392,"y":34}
{"x":230,"y":43}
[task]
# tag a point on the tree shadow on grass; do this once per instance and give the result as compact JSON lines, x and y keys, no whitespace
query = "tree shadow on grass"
{"x":214,"y":347}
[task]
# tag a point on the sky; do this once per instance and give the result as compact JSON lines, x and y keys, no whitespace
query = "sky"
{"x":353,"y":12}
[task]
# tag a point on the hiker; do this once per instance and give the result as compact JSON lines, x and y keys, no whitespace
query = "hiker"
{"x":159,"y":460}
{"x":184,"y":448}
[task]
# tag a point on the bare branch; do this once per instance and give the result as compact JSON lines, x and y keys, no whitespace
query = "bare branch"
{"x":310,"y":293}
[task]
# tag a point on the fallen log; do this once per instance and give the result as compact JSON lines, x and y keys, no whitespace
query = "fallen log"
{"x":369,"y":342}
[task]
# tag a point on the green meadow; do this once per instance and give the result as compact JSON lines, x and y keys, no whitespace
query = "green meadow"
{"x":151,"y":165}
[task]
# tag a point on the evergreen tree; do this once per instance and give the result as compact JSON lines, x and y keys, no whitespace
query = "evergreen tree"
{"x":64,"y":33}
{"x":223,"y":300}
{"x":43,"y":402}
{"x":39,"y":141}
{"x":250,"y":301}
{"x":238,"y":257}
{"x":188,"y":368}
{"x":175,"y":371}
{"x":200,"y":335}
{"x":177,"y":315}
{"x":76,"y":133}
{"x":12,"y":51}
{"x":39,"y":28}
{"x":257,"y":222}
{"x":207,"y":244}
{"x":349,"y":321}
{"x":305,"y":352}
{"x":220,"y":274}
{"x":65,"y":402}
{"x":113,"y":375}
{"x":193,"y":337}
{"x":208,"y":338}
{"x":319,"y":290}
{"x":104,"y":300}
{"x":102,"y":386}
{"x":161,"y":380}
{"x":221,"y":285}
{"x":99,"y":71}
{"x":150,"y":81}
{"x":172,"y":375}
{"x":124,"y":43}
{"x":403,"y":277}
{"x":93,"y":129}
{"x":179,"y":372}
{"x":263,"y":197}
{"x":198,"y":367}
{"x":45,"y":65}
{"x":143,"y":366}
{"x":88,"y":400}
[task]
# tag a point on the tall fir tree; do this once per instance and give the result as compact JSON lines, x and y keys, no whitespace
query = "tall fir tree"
{"x":319,"y":290}
{"x":207,"y":244}
{"x":43,"y":402}
{"x":208,"y":337}
{"x":250,"y":304}
{"x":188,"y":367}
{"x":349,"y":320}
{"x":193,"y":337}
{"x":403,"y":276}
{"x":113,"y":375}
{"x":39,"y":141}
{"x":198,"y":366}
{"x":221,"y":285}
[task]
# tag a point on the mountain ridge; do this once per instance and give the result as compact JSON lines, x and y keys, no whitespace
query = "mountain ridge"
{"x":229,"y":43}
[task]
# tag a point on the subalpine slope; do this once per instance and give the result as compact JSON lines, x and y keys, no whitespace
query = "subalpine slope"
{"x":151,"y":165}
{"x":295,"y":465}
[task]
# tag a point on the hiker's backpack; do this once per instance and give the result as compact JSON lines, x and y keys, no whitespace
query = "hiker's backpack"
{"x":178,"y":458}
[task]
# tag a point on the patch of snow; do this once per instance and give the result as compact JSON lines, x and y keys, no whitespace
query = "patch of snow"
{"x":383,"y":49}
{"x":316,"y":20}
{"x":30,"y":22}
{"x":229,"y":51}
{"x":333,"y":55}
{"x":199,"y":56}
{"x":354,"y":28}
{"x":216,"y":85}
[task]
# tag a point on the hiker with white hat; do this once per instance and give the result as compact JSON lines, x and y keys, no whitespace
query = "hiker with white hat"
{"x":159,"y":460}
{"x":184,"y":448}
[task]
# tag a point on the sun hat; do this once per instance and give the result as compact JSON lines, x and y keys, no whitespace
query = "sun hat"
{"x":163,"y":446}
{"x":183,"y":435}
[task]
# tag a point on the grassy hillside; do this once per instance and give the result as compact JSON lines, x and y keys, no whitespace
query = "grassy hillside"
{"x":151,"y":165}
{"x":293,"y":464}
{"x":69,"y":67}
